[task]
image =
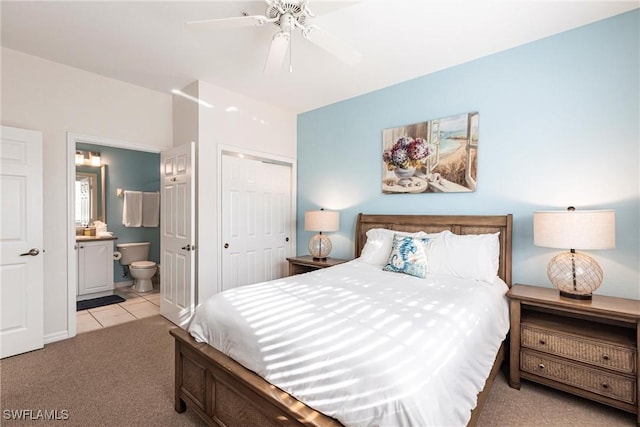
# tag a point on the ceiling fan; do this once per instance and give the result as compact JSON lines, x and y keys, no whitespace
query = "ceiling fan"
{"x":288,"y":15}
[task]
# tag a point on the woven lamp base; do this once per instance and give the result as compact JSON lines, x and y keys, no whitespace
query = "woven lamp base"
{"x":576,"y":275}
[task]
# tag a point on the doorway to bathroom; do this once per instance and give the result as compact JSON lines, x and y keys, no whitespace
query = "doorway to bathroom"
{"x":121,"y":166}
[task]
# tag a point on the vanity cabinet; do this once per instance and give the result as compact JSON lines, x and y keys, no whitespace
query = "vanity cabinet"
{"x":95,"y":266}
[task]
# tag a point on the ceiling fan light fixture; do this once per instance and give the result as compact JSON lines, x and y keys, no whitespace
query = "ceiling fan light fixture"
{"x":297,"y":9}
{"x":287,"y":22}
{"x":288,"y":15}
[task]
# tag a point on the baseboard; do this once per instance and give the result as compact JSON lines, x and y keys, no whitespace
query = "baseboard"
{"x":56,"y":336}
{"x":126,"y":284}
{"x":94,"y":295}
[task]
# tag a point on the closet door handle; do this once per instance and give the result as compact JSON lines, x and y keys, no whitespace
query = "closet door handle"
{"x":186,"y":248}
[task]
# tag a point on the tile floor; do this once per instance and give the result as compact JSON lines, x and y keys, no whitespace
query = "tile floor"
{"x":136,"y":306}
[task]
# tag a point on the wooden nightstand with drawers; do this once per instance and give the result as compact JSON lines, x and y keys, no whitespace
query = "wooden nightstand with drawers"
{"x":306,"y":263}
{"x":585,"y":347}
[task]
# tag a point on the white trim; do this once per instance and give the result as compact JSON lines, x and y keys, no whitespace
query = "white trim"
{"x":123,"y":285}
{"x":72,"y":280}
{"x":232,"y":149}
{"x":224,"y":149}
{"x":94,"y":295}
{"x":72,"y":267}
{"x":112,"y":142}
{"x":57,"y":336}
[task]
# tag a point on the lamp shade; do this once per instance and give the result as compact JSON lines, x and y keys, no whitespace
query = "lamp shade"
{"x":322,"y":220}
{"x":588,"y":229}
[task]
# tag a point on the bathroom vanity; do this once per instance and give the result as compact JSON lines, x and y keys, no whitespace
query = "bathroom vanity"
{"x":95,"y":266}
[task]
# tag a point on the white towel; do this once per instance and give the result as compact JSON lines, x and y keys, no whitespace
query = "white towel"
{"x":150,"y":209}
{"x":132,"y":209}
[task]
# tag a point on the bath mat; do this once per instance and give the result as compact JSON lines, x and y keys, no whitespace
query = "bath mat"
{"x":98,"y":302}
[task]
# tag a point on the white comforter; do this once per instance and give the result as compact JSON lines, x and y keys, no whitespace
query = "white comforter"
{"x":362,"y":345}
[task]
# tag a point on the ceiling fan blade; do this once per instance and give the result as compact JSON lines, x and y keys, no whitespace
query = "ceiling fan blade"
{"x":277,"y":52}
{"x":326,"y":7}
{"x":223,"y":23}
{"x":332,"y":45}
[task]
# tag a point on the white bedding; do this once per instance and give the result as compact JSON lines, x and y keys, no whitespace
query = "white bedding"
{"x":362,"y":345}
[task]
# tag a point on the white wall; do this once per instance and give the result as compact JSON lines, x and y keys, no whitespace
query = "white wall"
{"x":185,"y":116}
{"x":55,"y":99}
{"x":250,"y":126}
{"x":245,"y":122}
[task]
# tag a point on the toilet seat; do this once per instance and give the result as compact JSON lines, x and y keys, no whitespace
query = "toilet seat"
{"x":142,"y":272}
{"x":143,"y":264}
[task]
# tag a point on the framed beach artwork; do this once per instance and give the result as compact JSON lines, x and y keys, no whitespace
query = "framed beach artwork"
{"x":436,"y":156}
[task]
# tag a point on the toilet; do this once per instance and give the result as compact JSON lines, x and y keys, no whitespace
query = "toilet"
{"x":134,"y":255}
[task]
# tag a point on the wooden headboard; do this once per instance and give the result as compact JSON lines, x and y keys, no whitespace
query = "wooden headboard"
{"x":458,"y":224}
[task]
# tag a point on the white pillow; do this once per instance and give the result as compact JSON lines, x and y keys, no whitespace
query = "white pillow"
{"x":472,"y":256}
{"x":377,"y":248}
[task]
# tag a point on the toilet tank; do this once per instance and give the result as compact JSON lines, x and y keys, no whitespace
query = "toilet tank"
{"x":132,"y":252}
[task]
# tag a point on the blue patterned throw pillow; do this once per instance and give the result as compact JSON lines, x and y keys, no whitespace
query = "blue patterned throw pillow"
{"x":408,"y":255}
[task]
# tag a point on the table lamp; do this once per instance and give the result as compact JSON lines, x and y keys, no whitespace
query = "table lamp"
{"x":575,"y":275}
{"x":320,"y":244}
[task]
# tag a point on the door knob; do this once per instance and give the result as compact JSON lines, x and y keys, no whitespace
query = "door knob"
{"x":226,"y":245}
{"x":32,"y":252}
{"x":187,"y":248}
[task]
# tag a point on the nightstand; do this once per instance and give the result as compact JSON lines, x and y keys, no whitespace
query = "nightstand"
{"x":585,"y":347}
{"x":306,"y":263}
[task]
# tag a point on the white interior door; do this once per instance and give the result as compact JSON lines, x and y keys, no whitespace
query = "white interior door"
{"x":177,"y":240}
{"x":256,"y":220}
{"x":21,"y":258}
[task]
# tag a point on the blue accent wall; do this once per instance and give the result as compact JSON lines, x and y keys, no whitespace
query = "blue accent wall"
{"x":559,"y":126}
{"x":129,"y":170}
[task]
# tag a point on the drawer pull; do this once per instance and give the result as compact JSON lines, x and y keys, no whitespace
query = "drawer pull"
{"x":542,"y":342}
{"x":541,"y":366}
{"x":605,"y":386}
{"x":605,"y":357}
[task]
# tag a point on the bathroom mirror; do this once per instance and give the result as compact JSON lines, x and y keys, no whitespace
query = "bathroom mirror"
{"x":90,"y":194}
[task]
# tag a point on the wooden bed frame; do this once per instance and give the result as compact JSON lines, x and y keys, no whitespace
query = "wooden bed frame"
{"x":223,"y":392}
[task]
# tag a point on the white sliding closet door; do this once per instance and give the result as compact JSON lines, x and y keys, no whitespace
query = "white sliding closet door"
{"x":256,"y":220}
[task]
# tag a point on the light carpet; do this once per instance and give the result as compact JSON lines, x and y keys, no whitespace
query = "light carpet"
{"x":123,"y":376}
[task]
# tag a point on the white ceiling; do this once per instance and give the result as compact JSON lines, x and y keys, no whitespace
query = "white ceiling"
{"x":146,"y":43}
